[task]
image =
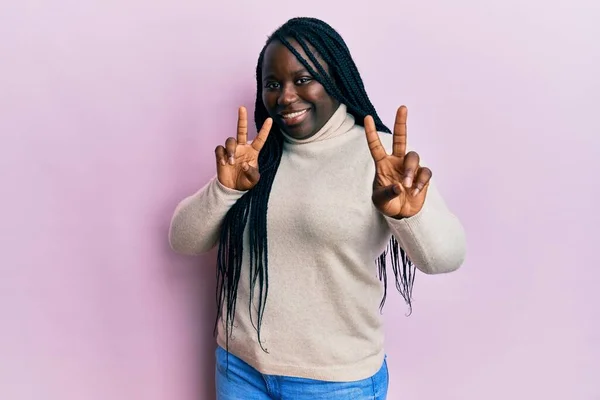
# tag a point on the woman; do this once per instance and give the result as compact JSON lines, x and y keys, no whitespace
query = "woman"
{"x":302,"y":216}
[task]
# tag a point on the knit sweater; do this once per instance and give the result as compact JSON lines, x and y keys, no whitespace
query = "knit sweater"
{"x":322,"y":319}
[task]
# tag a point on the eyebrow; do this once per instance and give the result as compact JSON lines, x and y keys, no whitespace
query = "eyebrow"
{"x":297,"y":72}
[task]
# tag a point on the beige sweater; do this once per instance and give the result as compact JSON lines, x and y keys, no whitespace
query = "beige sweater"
{"x":322,"y":318}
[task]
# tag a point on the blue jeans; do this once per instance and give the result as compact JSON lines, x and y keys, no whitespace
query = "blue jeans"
{"x":242,"y":382}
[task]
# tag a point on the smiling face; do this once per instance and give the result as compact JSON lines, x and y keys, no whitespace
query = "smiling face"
{"x":296,"y":101}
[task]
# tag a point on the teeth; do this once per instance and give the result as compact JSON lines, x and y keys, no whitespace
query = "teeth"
{"x":293,"y":115}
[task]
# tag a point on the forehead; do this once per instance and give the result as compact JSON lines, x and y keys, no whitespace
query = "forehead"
{"x":279,"y":60}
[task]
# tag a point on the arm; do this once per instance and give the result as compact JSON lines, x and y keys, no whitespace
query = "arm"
{"x":196,"y":221}
{"x":405,"y":194}
{"x":434,"y":238}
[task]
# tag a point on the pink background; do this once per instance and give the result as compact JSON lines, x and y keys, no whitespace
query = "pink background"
{"x":109,"y":114}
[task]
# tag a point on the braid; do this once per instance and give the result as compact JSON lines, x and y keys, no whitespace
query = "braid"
{"x":345,"y":84}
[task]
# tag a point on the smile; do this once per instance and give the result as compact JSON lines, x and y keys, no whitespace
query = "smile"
{"x":294,"y":117}
{"x":294,"y":114}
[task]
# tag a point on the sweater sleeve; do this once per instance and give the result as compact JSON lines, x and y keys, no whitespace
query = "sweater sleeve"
{"x":196,"y":221}
{"x":434,"y":238}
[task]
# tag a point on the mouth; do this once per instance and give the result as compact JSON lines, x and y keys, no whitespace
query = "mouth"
{"x":294,"y":118}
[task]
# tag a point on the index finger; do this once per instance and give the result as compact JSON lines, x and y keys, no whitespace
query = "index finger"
{"x":399,"y":148}
{"x":377,"y":151}
{"x":261,"y":137}
{"x":242,"y":126}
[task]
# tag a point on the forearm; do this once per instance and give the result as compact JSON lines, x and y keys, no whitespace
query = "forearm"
{"x":196,"y":222}
{"x":434,"y":238}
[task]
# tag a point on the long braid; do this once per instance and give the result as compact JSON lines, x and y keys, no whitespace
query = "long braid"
{"x":344,"y":83}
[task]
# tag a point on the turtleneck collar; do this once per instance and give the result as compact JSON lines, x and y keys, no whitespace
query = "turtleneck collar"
{"x":339,"y":123}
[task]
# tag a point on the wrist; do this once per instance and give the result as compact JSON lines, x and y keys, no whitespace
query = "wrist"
{"x":399,"y":217}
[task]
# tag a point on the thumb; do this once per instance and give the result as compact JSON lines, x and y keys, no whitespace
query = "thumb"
{"x":382,"y":195}
{"x":250,"y":173}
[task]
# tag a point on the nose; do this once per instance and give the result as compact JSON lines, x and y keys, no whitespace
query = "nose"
{"x":288,"y":95}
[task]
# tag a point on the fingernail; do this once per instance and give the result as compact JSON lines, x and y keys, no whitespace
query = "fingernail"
{"x":416,"y":192}
{"x":223,"y":161}
{"x":407,"y":182}
{"x":231,"y":160}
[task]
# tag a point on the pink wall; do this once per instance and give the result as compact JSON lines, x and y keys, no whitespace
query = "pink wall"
{"x":110,"y":112}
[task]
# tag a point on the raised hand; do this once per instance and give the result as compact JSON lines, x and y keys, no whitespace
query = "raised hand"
{"x":400,"y":183}
{"x":237,"y":162}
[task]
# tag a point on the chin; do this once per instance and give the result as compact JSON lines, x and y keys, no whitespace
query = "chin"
{"x":300,"y":133}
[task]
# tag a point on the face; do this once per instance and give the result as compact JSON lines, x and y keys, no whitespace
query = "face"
{"x":297,"y":102}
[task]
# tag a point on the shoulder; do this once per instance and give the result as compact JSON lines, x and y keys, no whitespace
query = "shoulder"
{"x":360,"y":139}
{"x":386,"y":139}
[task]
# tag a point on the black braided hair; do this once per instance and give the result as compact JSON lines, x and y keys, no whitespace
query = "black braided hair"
{"x":343,"y":83}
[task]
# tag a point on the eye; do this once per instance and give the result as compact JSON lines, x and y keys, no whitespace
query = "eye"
{"x":303,"y":81}
{"x":271,"y":85}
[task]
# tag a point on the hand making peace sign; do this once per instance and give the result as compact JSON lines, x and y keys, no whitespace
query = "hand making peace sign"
{"x":400,"y":184}
{"x":237,"y":162}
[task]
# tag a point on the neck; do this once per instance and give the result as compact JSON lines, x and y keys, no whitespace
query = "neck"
{"x":339,"y":123}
